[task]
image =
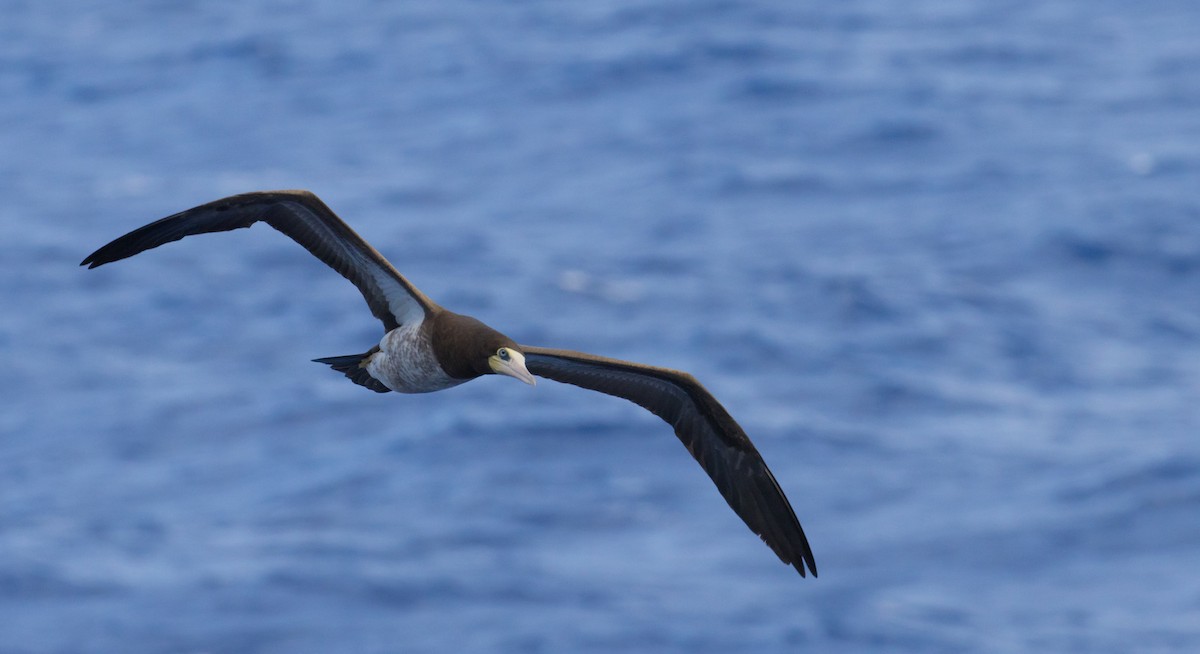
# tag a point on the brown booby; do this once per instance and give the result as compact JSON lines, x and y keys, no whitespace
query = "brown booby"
{"x":427,"y":348}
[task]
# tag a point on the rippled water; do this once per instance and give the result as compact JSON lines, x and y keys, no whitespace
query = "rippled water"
{"x":942,"y":261}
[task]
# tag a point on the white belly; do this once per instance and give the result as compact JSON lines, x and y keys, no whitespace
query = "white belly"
{"x":405,"y":363}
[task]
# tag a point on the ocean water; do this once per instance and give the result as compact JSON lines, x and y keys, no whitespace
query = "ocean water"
{"x":940,"y":259}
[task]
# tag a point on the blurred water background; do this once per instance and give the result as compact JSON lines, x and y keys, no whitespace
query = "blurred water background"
{"x":941,"y":259}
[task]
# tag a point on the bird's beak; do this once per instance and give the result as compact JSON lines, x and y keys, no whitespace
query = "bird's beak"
{"x":513,"y":367}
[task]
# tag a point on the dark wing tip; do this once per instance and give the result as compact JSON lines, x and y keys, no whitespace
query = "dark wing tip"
{"x":806,"y":559}
{"x":169,"y":229}
{"x":101,"y":256}
{"x":97,"y":259}
{"x":106,"y":254}
{"x":114,"y":251}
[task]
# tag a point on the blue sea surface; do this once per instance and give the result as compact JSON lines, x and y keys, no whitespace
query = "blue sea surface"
{"x":940,"y":259}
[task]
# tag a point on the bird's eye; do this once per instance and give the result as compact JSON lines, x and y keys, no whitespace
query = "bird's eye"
{"x":502,"y":353}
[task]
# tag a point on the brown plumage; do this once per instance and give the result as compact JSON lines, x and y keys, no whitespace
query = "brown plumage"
{"x":427,"y":348}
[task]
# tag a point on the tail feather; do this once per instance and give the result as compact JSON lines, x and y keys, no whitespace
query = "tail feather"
{"x":354,"y":367}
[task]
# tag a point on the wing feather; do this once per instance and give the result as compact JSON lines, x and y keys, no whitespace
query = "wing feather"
{"x":304,"y":218}
{"x":706,"y":429}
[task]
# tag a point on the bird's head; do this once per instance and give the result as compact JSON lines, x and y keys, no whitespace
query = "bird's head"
{"x":508,"y":360}
{"x":466,"y":348}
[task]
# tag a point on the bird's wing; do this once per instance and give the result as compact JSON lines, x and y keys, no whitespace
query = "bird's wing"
{"x":715,"y":440}
{"x":305,"y":219}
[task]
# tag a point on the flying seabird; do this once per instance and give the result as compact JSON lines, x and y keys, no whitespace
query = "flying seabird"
{"x":427,"y":348}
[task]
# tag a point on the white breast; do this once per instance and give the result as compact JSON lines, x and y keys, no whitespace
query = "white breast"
{"x":405,"y":362}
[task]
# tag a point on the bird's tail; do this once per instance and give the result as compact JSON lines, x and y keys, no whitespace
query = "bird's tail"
{"x":354,"y":366}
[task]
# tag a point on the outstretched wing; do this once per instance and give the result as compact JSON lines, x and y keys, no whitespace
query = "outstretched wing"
{"x":715,"y":440}
{"x":305,"y":219}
